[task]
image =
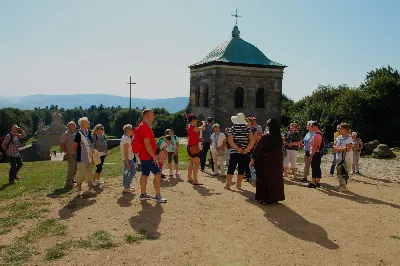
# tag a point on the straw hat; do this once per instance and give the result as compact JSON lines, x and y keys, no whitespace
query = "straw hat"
{"x":239,"y":119}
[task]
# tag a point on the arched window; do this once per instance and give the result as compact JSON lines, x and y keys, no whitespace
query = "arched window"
{"x":205,"y":96}
{"x":260,"y":98}
{"x":197,"y":97}
{"x":239,"y":98}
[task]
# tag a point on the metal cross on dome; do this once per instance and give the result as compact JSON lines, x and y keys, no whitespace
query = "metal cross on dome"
{"x":236,"y":16}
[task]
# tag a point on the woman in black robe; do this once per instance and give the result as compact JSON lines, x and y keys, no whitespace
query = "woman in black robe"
{"x":267,"y":159}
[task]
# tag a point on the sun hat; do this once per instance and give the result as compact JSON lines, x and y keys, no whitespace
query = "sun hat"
{"x":239,"y":119}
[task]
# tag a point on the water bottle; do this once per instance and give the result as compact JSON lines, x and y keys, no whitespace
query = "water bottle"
{"x":253,"y":174}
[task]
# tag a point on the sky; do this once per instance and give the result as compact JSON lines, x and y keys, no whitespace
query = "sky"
{"x":93,"y":46}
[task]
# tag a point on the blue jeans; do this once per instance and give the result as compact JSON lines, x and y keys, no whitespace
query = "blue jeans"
{"x":128,"y":174}
{"x":333,"y":166}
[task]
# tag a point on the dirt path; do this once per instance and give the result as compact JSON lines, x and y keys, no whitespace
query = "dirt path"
{"x":211,"y":226}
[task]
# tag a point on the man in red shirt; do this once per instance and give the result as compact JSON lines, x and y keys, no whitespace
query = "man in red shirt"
{"x":148,"y":157}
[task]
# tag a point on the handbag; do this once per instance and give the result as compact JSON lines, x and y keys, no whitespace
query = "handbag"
{"x":96,"y":157}
{"x":194,"y":149}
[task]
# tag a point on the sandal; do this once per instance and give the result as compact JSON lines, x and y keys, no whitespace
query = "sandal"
{"x":227,"y":187}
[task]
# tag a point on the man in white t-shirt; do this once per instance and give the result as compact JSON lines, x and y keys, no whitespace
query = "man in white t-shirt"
{"x":218,"y":144}
{"x":128,"y":158}
{"x":343,"y":147}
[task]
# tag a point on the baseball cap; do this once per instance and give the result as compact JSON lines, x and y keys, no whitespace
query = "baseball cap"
{"x":210,"y":119}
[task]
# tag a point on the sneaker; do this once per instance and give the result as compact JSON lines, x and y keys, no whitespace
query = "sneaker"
{"x":80,"y":194}
{"x":145,"y":197}
{"x":100,"y":182}
{"x":177,"y":173}
{"x":171,"y":173}
{"x":126,"y":190}
{"x":318,"y":185}
{"x":91,"y":192}
{"x":342,"y":189}
{"x":95,"y":184}
{"x":160,"y":199}
{"x":311,"y":185}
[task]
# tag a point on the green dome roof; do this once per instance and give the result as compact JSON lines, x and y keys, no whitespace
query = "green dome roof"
{"x":237,"y":51}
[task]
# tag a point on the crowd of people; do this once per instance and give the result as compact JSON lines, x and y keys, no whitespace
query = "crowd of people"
{"x":263,"y":156}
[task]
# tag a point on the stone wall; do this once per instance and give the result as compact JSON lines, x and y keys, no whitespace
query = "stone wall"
{"x":222,"y":82}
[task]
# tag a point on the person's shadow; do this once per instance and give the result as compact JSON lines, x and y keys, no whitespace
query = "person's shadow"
{"x":292,"y":223}
{"x":172,"y":181}
{"x":126,"y":199}
{"x":205,"y":191}
{"x":74,"y":205}
{"x":349,"y":195}
{"x":148,"y":219}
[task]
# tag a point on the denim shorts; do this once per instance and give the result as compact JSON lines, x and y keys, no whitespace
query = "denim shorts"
{"x":149,"y":166}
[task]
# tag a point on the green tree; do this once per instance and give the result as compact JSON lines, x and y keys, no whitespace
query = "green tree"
{"x":380,"y":106}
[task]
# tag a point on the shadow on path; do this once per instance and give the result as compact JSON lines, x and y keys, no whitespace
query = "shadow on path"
{"x":292,"y":223}
{"x":205,"y":191}
{"x":75,"y":205}
{"x":172,"y":181}
{"x":126,"y":199}
{"x":349,"y":195}
{"x":148,"y":219}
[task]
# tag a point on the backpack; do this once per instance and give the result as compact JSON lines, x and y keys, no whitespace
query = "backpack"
{"x":8,"y":144}
{"x":161,"y":140}
{"x":136,"y":145}
{"x":323,"y":149}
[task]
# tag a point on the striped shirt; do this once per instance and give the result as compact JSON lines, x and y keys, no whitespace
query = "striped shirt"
{"x":240,"y":135}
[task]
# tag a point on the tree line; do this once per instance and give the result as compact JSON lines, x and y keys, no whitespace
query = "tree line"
{"x":112,"y":118}
{"x":372,"y":109}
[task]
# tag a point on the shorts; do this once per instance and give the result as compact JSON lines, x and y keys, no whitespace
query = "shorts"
{"x":149,"y":166}
{"x":196,"y":155}
{"x":170,"y":156}
{"x":291,"y":158}
{"x":84,"y":169}
{"x":99,"y":167}
{"x":240,"y":160}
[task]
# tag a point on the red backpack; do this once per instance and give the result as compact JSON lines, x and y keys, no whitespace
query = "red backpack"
{"x":136,"y":145}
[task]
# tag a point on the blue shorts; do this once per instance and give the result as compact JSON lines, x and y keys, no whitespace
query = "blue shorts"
{"x":149,"y":166}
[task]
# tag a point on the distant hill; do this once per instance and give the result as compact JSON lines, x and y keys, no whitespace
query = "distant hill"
{"x":86,"y":100}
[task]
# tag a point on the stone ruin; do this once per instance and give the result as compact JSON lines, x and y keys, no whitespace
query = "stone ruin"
{"x":47,"y":137}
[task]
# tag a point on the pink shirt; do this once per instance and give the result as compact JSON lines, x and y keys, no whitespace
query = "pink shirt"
{"x":317,"y":138}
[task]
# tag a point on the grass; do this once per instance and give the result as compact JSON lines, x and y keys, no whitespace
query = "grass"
{"x":129,"y":239}
{"x":17,"y":254}
{"x":98,"y":240}
{"x":395,"y":237}
{"x":4,"y":231}
{"x":48,"y":227}
{"x":18,"y":212}
{"x":58,"y":251}
{"x":136,"y":238}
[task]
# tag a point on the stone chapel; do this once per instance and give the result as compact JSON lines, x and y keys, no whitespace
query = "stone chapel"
{"x":236,"y":77}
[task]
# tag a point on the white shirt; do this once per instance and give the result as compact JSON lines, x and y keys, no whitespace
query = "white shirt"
{"x":343,"y":142}
{"x":217,"y":139}
{"x":126,"y":140}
